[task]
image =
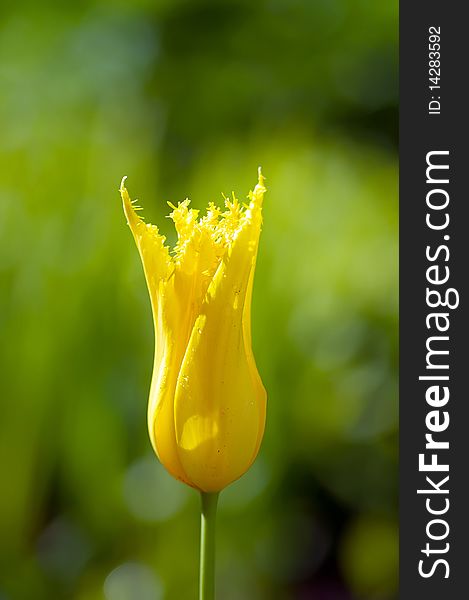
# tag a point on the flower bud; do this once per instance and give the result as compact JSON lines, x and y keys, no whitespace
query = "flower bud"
{"x":207,"y":404}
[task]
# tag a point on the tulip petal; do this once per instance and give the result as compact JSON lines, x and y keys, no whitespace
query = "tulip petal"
{"x":219,"y":406}
{"x":156,"y":260}
{"x":158,"y":268}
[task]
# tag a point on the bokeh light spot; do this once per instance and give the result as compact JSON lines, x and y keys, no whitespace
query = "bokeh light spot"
{"x":132,"y":581}
{"x":150,"y":493}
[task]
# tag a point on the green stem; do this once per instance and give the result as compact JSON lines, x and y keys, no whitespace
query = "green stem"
{"x":207,"y":546}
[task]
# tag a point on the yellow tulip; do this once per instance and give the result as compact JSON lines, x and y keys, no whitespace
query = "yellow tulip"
{"x":207,"y":405}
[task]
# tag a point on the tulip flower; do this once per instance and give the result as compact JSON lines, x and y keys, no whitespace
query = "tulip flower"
{"x":207,"y":405}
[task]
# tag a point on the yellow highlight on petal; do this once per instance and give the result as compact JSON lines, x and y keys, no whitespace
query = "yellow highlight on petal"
{"x":198,"y":430}
{"x":207,"y":405}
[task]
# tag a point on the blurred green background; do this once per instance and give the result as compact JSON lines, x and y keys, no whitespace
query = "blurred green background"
{"x":187,"y":98}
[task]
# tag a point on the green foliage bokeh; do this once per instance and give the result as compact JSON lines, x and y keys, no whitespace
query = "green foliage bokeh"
{"x":187,"y":98}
